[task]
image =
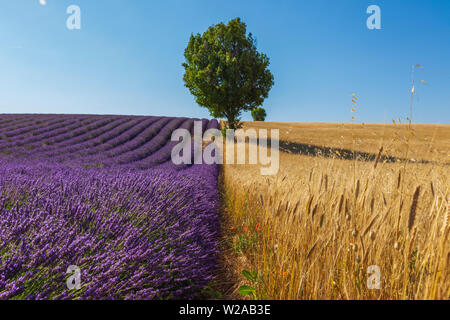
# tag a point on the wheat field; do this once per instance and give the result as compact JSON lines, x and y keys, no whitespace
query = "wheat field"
{"x":348,"y":198}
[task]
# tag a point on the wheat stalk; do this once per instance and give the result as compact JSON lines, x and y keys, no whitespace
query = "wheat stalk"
{"x":413,"y":208}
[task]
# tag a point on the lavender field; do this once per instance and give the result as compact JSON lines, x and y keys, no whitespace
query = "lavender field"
{"x":101,"y":193}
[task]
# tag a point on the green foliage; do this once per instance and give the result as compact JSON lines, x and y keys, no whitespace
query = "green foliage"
{"x":259,"y":114}
{"x":250,"y":276}
{"x":248,"y":290}
{"x":225,"y":72}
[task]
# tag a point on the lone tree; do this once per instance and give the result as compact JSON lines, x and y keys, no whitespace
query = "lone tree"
{"x":259,"y":114}
{"x":225,"y":72}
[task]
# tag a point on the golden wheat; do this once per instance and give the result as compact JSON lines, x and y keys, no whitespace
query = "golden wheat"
{"x":311,"y":232}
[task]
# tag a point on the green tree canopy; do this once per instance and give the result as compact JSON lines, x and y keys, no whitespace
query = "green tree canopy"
{"x":225,"y":72}
{"x":259,"y":114}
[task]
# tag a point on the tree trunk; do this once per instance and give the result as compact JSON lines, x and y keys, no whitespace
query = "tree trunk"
{"x":233,"y":122}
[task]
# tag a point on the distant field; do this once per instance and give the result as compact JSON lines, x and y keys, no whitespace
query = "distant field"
{"x":428,"y":142}
{"x":312,"y":231}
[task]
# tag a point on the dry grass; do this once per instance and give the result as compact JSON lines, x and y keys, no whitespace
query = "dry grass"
{"x":312,"y":231}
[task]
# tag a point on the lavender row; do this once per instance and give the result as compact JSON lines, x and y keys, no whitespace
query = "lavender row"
{"x":153,"y":144}
{"x":139,"y":140}
{"x":44,"y":133}
{"x":164,"y":152}
{"x":92,"y":138}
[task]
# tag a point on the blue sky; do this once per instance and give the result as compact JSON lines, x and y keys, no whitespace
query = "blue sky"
{"x":126,"y":59}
